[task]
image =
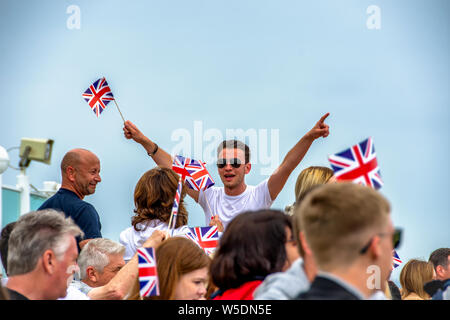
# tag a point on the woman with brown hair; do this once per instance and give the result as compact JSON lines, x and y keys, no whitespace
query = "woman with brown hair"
{"x":153,"y":199}
{"x":182,"y":268}
{"x":413,"y":277}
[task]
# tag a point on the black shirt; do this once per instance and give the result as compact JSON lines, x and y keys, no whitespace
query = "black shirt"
{"x":82,"y":213}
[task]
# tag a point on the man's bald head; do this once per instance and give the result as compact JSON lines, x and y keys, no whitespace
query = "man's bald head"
{"x":74,"y":158}
{"x":80,"y":170}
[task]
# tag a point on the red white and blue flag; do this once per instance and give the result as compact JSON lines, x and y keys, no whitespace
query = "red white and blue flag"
{"x":206,"y":237}
{"x":395,"y":260}
{"x":148,"y":275}
{"x":98,"y":95}
{"x":358,"y":164}
{"x":193,"y":172}
{"x":176,"y":204}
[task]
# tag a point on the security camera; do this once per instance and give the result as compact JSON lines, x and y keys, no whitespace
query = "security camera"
{"x":35,"y":149}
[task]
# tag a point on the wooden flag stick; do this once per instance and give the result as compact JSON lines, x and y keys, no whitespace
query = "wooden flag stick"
{"x":119,"y":110}
{"x":212,"y":213}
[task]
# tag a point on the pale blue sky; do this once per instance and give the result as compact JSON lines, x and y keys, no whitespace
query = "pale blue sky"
{"x":237,"y":64}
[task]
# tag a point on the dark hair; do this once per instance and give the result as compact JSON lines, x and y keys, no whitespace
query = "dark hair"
{"x":154,"y":196}
{"x":235,"y":144}
{"x":252,"y":246}
{"x":439,"y":257}
{"x":4,"y":238}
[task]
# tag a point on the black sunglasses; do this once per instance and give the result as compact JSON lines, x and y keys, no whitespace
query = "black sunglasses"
{"x":235,"y":163}
{"x":396,"y":239}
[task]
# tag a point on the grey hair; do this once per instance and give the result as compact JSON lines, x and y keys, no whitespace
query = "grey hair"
{"x":96,"y":254}
{"x":36,"y":232}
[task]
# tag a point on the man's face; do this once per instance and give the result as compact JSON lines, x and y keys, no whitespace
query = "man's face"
{"x":232,"y":177}
{"x":386,"y":248}
{"x":87,"y":174}
{"x":443,"y":273}
{"x":64,"y":270}
{"x":116,"y":263}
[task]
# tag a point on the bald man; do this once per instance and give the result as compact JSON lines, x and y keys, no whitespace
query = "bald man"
{"x":80,"y":170}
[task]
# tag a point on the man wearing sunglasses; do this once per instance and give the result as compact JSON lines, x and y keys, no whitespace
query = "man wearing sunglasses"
{"x":349,"y":230}
{"x":235,"y":197}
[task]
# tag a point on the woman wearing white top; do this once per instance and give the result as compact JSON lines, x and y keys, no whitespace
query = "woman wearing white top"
{"x":153,"y":199}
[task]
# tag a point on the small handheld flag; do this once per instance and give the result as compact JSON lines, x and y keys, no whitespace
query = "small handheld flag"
{"x":176,"y":204}
{"x":395,"y":260}
{"x":358,"y":164}
{"x":206,"y":237}
{"x":193,"y":172}
{"x":148,"y":275}
{"x":98,"y":95}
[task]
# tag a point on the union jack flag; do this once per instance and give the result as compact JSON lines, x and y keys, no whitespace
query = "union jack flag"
{"x":193,"y":172}
{"x":395,"y":260}
{"x":358,"y":164}
{"x":98,"y":95}
{"x":176,"y":204}
{"x":148,"y":275}
{"x":206,"y":237}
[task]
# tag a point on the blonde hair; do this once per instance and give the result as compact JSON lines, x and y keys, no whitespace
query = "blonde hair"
{"x":338,"y":219}
{"x":413,"y":277}
{"x":307,"y":180}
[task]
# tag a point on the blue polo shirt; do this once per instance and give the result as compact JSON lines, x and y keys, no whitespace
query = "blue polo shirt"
{"x":82,"y":213}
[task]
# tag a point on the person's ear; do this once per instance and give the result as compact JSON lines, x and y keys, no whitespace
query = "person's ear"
{"x":439,"y":271}
{"x":91,"y":274}
{"x":48,"y":261}
{"x":375,"y":249}
{"x":304,"y":244}
{"x":70,"y":173}
{"x":247,"y":168}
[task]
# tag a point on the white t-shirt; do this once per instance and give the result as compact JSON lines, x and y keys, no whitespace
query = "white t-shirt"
{"x":132,"y":239}
{"x":228,"y":207}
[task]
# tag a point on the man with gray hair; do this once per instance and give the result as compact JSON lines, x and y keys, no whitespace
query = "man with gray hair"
{"x":42,"y":255}
{"x":99,"y":261}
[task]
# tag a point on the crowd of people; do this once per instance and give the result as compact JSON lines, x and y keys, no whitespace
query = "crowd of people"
{"x":335,"y":242}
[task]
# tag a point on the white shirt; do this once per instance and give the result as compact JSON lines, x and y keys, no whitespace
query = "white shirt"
{"x":132,"y":239}
{"x":227,"y":207}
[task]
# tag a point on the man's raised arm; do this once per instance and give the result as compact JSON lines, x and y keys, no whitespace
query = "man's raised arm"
{"x":278,"y":179}
{"x":161,"y":157}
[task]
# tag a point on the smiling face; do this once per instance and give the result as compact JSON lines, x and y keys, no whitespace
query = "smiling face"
{"x":233,"y":178}
{"x":86,"y":174}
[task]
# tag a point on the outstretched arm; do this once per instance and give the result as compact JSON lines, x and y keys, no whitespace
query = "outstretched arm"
{"x":278,"y":179}
{"x":122,"y":283}
{"x":161,"y":157}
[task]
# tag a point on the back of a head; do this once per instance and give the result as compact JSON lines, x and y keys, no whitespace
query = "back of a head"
{"x":96,"y":254}
{"x":414,"y":275}
{"x":176,"y":257}
{"x":338,"y":218}
{"x":252,"y":245}
{"x":154,"y":196}
{"x":311,"y":177}
{"x":4,"y":239}
{"x":36,"y":232}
